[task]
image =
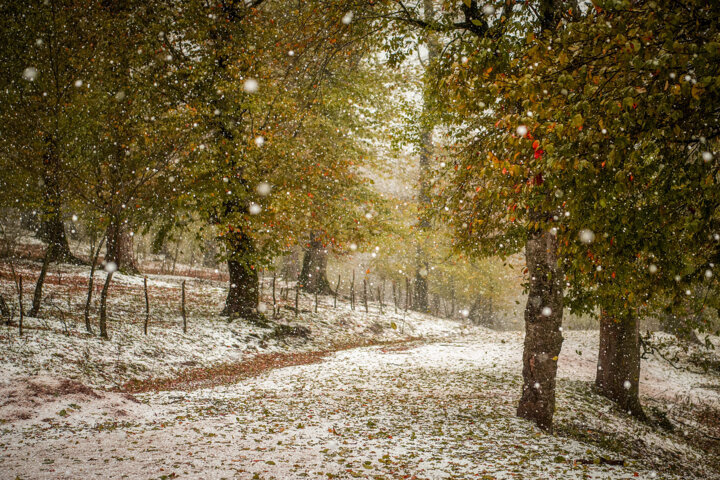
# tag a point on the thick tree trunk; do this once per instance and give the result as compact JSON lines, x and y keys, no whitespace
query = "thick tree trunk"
{"x":543,"y":337}
{"x":120,"y":247}
{"x":243,"y":295}
{"x":313,"y":276}
{"x":618,"y":372}
{"x":52,"y":228}
{"x":52,"y":232}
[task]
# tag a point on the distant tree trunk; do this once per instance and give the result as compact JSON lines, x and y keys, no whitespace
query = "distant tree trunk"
{"x":618,"y":372}
{"x":243,"y":295}
{"x":120,"y":247}
{"x":543,"y":338}
{"x":679,"y":325}
{"x":481,"y":312}
{"x":313,"y":275}
{"x":37,"y":296}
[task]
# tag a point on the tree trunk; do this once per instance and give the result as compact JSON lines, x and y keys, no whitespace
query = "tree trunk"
{"x":52,"y":232}
{"x":420,"y":302}
{"x":52,"y":228}
{"x":618,"y":372}
{"x":543,"y":338}
{"x":313,"y":275}
{"x":120,"y":247}
{"x":422,"y":269}
{"x":243,"y":295}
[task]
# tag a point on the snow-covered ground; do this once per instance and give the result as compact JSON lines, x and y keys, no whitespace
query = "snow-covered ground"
{"x":436,"y":399}
{"x":53,"y":346}
{"x":443,"y":409}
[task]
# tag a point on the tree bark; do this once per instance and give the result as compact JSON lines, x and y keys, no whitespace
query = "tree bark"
{"x":313,"y":275}
{"x":52,"y":228}
{"x":618,"y":372}
{"x":119,"y":247}
{"x":243,"y":295}
{"x":543,"y":337}
{"x":422,"y":269}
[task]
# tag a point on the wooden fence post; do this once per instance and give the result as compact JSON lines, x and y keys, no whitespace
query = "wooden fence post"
{"x":274,"y":300}
{"x":184,"y":316}
{"x":365,"y":299}
{"x":407,"y":294}
{"x":147,"y":306}
{"x":22,"y":309}
{"x":37,"y":297}
{"x":352,"y":291}
{"x":103,"y":305}
{"x":95,"y":256}
{"x":297,"y":299}
{"x":337,"y":290}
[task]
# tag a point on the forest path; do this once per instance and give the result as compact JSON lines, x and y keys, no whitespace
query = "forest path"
{"x":438,"y":410}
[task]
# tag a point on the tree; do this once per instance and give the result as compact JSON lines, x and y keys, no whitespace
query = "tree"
{"x":595,"y":124}
{"x":481,"y":51}
{"x":263,"y":166}
{"x":46,"y":50}
{"x":133,"y":141}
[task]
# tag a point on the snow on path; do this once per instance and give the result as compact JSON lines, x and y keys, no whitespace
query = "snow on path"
{"x":439,"y":410}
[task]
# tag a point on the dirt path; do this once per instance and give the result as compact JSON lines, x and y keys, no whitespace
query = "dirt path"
{"x":441,"y":410}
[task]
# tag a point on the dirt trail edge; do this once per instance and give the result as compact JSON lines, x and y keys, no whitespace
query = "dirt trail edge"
{"x":228,"y":373}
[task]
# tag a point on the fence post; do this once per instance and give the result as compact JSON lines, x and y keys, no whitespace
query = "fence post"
{"x":297,"y":299}
{"x":337,"y":290}
{"x":365,"y":300}
{"x":147,"y":306}
{"x":352,"y":291}
{"x":184,"y":317}
{"x":103,"y":306}
{"x":274,"y":301}
{"x":22,"y":309}
{"x":407,"y":294}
